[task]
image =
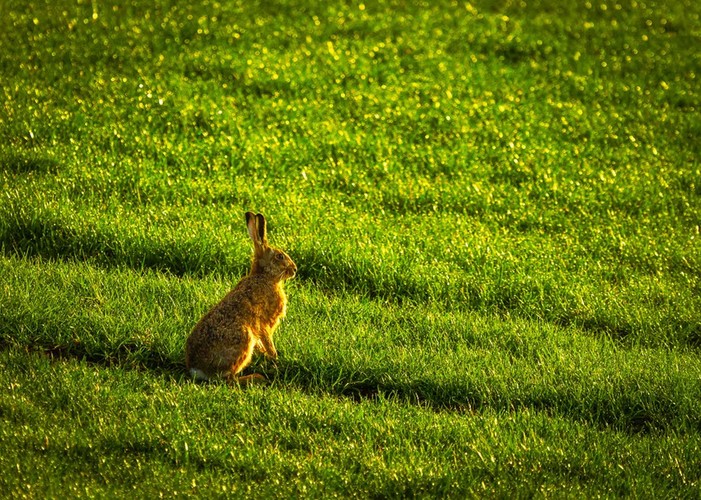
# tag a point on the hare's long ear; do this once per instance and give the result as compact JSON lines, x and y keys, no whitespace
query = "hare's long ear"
{"x":262,"y":231}
{"x":252,"y":224}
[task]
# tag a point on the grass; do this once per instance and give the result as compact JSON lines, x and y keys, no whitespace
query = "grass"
{"x":494,"y":207}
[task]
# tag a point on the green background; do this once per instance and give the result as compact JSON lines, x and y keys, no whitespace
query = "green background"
{"x":494,"y":208}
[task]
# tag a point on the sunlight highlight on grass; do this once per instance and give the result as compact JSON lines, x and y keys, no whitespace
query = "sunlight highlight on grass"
{"x":494,"y":208}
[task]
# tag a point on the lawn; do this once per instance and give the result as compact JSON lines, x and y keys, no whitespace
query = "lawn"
{"x":495,"y":209}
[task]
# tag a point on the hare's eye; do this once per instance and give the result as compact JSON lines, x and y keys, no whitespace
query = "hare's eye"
{"x":279,"y":256}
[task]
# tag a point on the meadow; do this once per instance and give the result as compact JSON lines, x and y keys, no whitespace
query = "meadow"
{"x":495,"y":209}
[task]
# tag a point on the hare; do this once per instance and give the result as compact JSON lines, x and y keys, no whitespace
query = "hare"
{"x":222,"y":342}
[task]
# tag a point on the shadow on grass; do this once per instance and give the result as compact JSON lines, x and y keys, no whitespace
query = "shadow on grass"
{"x":132,"y":355}
{"x":52,"y":238}
{"x":628,"y":411}
{"x":370,"y":385}
{"x":624,"y":411}
{"x":28,"y":163}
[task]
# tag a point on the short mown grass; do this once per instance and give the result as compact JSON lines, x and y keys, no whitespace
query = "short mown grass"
{"x":494,"y":208}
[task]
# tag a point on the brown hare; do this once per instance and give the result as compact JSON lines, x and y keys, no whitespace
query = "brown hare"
{"x":222,"y":342}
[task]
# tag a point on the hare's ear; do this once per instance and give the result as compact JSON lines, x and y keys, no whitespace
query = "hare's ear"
{"x":262,"y":231}
{"x":252,"y":224}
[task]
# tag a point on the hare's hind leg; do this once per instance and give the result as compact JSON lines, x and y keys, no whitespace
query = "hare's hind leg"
{"x":243,"y":356}
{"x":242,"y":361}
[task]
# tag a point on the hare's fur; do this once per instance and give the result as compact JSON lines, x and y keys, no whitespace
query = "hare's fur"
{"x":222,"y":342}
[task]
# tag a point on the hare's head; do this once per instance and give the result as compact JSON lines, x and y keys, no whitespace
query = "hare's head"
{"x":266,"y":259}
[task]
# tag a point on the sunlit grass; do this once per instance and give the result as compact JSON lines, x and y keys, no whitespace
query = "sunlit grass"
{"x":495,"y":212}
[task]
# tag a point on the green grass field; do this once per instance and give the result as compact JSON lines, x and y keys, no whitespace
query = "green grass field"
{"x":495,"y":208}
